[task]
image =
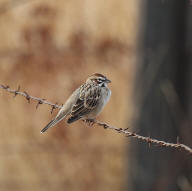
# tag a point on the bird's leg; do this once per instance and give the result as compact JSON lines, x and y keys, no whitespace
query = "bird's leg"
{"x":90,"y":122}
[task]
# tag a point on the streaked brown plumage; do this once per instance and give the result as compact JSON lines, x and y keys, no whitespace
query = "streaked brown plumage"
{"x":86,"y":102}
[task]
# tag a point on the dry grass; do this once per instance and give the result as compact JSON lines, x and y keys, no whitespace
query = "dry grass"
{"x":49,"y":49}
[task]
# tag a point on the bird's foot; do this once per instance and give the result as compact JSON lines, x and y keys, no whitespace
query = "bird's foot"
{"x":90,"y":122}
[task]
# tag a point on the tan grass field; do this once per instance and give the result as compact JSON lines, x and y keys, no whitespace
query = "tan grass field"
{"x":49,"y":48}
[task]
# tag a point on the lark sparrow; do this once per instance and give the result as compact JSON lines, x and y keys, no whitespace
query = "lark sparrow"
{"x":86,"y":102}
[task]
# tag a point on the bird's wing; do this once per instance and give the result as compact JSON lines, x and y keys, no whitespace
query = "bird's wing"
{"x":87,"y":101}
{"x":64,"y":111}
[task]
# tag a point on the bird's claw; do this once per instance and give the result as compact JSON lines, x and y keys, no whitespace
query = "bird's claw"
{"x":90,"y":122}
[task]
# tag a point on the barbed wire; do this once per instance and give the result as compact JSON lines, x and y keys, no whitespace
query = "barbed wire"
{"x":148,"y":140}
{"x":125,"y":131}
{"x":29,"y":97}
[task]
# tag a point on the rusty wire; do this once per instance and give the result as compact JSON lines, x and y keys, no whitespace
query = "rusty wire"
{"x":148,"y":140}
{"x":126,"y":132}
{"x":29,"y":97}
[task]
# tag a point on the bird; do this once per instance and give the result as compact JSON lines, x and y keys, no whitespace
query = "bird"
{"x":86,"y":102}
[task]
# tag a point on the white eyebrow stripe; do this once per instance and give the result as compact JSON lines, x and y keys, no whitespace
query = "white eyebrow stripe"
{"x":103,"y":79}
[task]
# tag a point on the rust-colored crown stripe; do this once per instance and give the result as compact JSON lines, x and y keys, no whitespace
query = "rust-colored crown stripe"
{"x":99,"y":75}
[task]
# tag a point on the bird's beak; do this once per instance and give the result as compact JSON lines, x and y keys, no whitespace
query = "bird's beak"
{"x":108,"y":81}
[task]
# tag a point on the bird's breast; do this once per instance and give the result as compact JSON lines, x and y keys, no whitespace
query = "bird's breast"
{"x":106,"y":94}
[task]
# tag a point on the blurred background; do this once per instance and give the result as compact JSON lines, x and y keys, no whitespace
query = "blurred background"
{"x":50,"y":47}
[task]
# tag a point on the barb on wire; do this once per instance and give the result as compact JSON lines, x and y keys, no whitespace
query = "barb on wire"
{"x":53,"y":107}
{"x":125,"y":131}
{"x":28,"y":98}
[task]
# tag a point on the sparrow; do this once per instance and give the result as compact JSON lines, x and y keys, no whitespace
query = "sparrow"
{"x":86,"y":102}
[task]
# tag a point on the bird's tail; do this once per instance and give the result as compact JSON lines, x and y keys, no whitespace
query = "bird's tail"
{"x":53,"y":122}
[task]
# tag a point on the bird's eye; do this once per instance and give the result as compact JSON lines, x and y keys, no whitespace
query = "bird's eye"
{"x":99,"y":80}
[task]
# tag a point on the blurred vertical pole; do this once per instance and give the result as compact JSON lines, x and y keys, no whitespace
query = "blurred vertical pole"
{"x":163,"y":92}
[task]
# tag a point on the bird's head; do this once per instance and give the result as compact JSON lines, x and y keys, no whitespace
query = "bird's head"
{"x":99,"y":79}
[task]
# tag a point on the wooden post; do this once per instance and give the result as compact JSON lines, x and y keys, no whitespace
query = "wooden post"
{"x":163,"y":92}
